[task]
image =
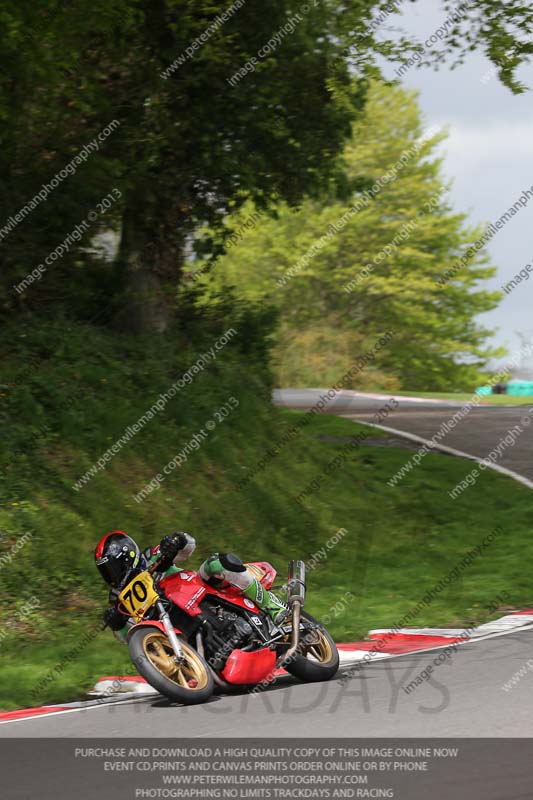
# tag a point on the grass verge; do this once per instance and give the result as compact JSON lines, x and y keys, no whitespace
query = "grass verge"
{"x":398,"y":543}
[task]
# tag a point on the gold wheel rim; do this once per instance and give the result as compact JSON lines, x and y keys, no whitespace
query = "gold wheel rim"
{"x":320,"y":650}
{"x":160,"y":654}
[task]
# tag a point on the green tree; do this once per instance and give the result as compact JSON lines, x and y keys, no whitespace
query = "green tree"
{"x":191,"y":146}
{"x":360,"y":268}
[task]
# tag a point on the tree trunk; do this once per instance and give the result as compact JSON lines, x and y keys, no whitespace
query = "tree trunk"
{"x":144,"y":307}
{"x":144,"y":267}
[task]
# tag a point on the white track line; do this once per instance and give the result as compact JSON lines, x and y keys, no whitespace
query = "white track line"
{"x":69,"y":711}
{"x":384,"y":657}
{"x":451,"y":450}
{"x":473,"y":640}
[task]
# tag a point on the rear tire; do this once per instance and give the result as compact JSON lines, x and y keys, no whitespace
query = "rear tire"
{"x":151,"y":652}
{"x":324,"y":663}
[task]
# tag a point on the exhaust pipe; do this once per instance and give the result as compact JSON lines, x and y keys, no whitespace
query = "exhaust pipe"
{"x":296,"y":599}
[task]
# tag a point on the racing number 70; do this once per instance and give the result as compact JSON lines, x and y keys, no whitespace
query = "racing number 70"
{"x":138,"y":591}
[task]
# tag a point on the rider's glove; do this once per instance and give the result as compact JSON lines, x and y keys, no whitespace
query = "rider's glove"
{"x":170,"y":546}
{"x":114,"y":619}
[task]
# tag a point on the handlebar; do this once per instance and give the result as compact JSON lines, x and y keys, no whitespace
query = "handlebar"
{"x":154,"y":567}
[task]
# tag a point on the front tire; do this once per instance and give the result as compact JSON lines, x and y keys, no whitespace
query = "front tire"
{"x":317,"y":661}
{"x":188,"y":683}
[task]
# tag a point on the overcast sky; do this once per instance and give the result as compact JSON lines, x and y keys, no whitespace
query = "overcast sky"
{"x":489,"y":156}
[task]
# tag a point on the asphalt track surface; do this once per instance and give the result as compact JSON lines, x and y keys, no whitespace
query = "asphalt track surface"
{"x":464,"y":697}
{"x":478,"y":433}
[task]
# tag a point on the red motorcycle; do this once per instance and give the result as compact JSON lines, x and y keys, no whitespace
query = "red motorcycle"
{"x":189,"y":636}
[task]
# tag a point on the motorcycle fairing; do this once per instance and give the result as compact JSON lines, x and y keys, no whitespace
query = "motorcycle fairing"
{"x":186,"y":589}
{"x":245,"y":667}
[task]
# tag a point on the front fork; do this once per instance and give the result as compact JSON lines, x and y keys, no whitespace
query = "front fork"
{"x":171,"y":633}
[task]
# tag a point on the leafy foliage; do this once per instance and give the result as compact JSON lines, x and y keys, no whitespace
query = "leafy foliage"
{"x":377,"y":269}
{"x":189,"y":146}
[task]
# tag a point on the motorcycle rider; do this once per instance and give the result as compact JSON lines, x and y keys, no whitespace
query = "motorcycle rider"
{"x":119,"y":559}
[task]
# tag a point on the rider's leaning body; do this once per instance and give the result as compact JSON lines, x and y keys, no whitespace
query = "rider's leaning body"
{"x":118,"y":559}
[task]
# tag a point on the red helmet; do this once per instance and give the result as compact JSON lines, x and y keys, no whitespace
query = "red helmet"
{"x":116,"y":556}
